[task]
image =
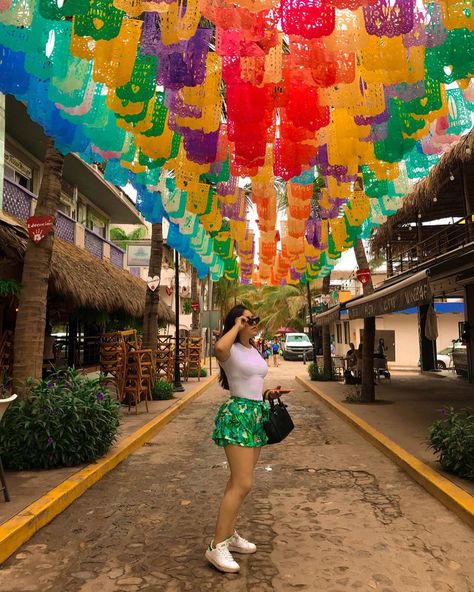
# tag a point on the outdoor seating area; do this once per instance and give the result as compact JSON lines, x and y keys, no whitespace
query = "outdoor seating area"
{"x":341,"y":365}
{"x":132,"y":371}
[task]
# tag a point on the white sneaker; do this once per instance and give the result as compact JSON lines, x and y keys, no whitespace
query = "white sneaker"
{"x":238,"y":544}
{"x":221,"y":558}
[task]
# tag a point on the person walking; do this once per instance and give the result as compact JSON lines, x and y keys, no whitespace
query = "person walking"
{"x":238,"y":429}
{"x":276,"y":352}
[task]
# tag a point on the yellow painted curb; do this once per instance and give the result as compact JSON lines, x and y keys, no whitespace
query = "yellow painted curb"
{"x":26,"y":523}
{"x":449,"y":494}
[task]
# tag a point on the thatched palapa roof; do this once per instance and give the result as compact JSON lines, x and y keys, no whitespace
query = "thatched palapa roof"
{"x":447,"y":181}
{"x":79,"y":278}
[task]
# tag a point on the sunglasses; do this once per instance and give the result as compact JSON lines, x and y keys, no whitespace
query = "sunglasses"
{"x":253,"y":321}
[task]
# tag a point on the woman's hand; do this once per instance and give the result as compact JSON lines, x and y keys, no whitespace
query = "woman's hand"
{"x":241,"y":322}
{"x":273,"y":393}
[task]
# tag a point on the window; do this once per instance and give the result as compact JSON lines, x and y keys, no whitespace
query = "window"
{"x":339,"y":332}
{"x":18,"y":172}
{"x":347,"y":332}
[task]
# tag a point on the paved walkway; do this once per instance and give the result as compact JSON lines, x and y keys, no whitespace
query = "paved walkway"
{"x":413,"y":402}
{"x":329,"y":513}
{"x":28,"y":486}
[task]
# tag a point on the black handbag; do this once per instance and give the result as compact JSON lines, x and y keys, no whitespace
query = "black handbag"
{"x":279,"y":424}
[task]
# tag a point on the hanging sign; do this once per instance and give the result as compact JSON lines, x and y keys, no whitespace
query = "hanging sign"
{"x":169,"y":290}
{"x":39,"y":227}
{"x":153,"y":282}
{"x":326,"y":299}
{"x":195,"y":306}
{"x":363,"y":275}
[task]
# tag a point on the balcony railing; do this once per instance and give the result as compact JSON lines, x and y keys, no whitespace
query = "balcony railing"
{"x":453,"y":236}
{"x":18,"y":201}
{"x":65,"y":227}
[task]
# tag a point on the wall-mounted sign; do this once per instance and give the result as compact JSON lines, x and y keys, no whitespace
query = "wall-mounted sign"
{"x":138,"y":255}
{"x":363,"y":275}
{"x":195,"y":306}
{"x":153,"y":282}
{"x":39,"y":227}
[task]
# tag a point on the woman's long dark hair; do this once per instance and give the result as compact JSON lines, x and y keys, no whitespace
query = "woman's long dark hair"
{"x":229,"y":322}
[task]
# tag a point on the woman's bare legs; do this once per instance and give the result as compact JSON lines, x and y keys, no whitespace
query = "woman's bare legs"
{"x":242,"y":461}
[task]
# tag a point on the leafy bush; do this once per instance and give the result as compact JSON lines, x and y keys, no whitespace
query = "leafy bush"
{"x":354,"y":395}
{"x":316,"y":373}
{"x":162,"y":390}
{"x":67,"y":420}
{"x":453,"y":439}
{"x":193,"y":373}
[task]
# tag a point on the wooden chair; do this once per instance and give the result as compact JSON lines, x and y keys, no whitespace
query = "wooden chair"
{"x":130,"y":338}
{"x":113,"y":361}
{"x":4,"y":404}
{"x":138,"y":378}
{"x":163,"y":358}
{"x":182,"y":357}
{"x":6,"y":354}
{"x":194,"y":356}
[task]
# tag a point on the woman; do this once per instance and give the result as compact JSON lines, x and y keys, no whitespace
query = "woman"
{"x":238,"y":429}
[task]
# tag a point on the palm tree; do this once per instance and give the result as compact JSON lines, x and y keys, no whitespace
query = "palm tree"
{"x":367,"y":390}
{"x":327,"y":361}
{"x":196,"y":316}
{"x":152,"y":298}
{"x":280,"y":306}
{"x":33,"y":300}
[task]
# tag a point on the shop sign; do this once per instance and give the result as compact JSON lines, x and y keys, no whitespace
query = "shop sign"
{"x":39,"y":227}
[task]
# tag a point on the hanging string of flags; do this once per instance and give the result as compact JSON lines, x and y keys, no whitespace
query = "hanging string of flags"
{"x":206,"y":105}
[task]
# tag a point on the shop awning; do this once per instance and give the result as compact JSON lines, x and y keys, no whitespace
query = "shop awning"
{"x":413,"y":291}
{"x":328,"y":316}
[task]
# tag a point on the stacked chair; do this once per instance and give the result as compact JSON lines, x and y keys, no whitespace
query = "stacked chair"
{"x":6,"y":354}
{"x":113,"y":361}
{"x":139,"y":378}
{"x":163,"y":358}
{"x":194,"y":356}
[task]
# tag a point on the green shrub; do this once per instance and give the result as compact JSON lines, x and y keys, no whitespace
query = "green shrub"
{"x":453,"y":439}
{"x":316,"y":373}
{"x":162,"y":390}
{"x":67,"y":420}
{"x":354,"y":395}
{"x":193,"y":373}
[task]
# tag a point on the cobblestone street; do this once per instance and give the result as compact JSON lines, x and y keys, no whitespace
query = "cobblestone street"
{"x":329,"y":513}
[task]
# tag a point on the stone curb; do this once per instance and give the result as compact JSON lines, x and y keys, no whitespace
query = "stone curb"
{"x":449,"y":494}
{"x":19,"y":529}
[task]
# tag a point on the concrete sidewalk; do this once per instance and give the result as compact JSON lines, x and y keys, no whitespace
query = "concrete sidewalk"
{"x":413,"y":402}
{"x":28,"y":486}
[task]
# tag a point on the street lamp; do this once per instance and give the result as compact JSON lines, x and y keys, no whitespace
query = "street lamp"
{"x":177,"y":386}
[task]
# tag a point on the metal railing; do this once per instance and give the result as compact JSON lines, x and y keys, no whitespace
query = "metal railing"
{"x":65,"y":227}
{"x":453,"y":236}
{"x":17,"y":200}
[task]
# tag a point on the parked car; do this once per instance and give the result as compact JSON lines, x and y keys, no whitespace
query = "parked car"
{"x":444,"y":358}
{"x":460,"y":360}
{"x":296,"y":346}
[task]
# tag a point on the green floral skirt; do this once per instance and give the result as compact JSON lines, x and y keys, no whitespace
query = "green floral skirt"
{"x":239,"y":421}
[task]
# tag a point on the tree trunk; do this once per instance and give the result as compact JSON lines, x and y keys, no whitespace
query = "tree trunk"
{"x":368,"y":389}
{"x":150,"y":318}
{"x":33,"y":301}
{"x":327,"y":368}
{"x":196,"y":315}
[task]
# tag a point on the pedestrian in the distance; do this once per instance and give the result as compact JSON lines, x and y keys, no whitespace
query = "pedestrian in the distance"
{"x":276,"y":352}
{"x":238,"y":429}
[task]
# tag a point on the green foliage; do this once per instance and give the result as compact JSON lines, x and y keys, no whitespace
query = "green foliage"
{"x":187,"y":308}
{"x":9,"y":288}
{"x":453,"y":439}
{"x":193,"y":373}
{"x":316,"y":373}
{"x":162,"y":390}
{"x":119,"y":236}
{"x":67,"y":420}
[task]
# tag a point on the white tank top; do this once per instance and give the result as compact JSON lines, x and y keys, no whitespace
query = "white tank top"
{"x":245,"y":370}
